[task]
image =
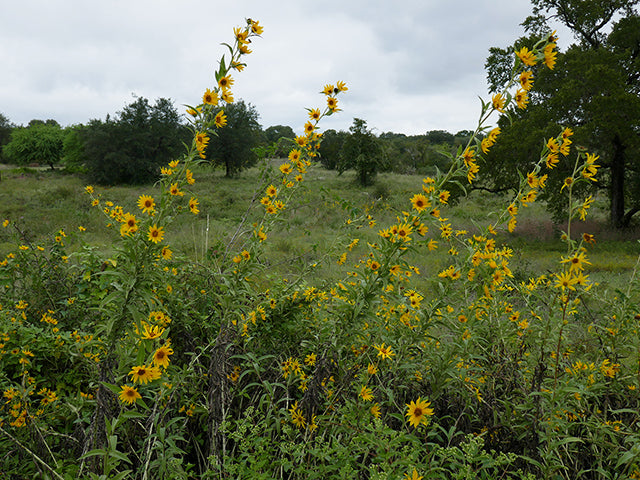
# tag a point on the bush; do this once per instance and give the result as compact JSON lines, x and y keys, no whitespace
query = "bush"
{"x":39,"y":143}
{"x":131,"y":148}
{"x":73,"y":154}
{"x":361,"y":152}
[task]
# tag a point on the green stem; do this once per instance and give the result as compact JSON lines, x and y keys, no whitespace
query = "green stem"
{"x":35,"y":457}
{"x":555,"y":374}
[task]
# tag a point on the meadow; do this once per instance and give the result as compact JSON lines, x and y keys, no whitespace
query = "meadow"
{"x":42,"y":200}
{"x":290,"y":325}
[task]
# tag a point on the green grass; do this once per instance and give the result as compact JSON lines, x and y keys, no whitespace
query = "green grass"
{"x":43,"y":201}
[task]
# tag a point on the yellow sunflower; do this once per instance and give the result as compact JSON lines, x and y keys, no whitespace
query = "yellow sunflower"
{"x":384,"y":352}
{"x":209,"y":97}
{"x":272,"y":191}
{"x":225,"y":82}
{"x":366,"y":394}
{"x":156,"y":234}
{"x":285,"y":168}
{"x":161,"y":356}
{"x":498,"y":102}
{"x":413,"y":476}
{"x":151,"y":332}
{"x":166,"y":253}
{"x":420,"y":202}
{"x":147,"y":204}
{"x":521,"y":98}
{"x":419,"y":412}
{"x":193,"y":205}
{"x":221,"y":119}
{"x":129,"y":394}
{"x":526,"y":80}
{"x":309,"y":127}
{"x":256,"y":28}
{"x":550,"y":56}
{"x":314,"y":114}
{"x":144,"y":374}
{"x":129,"y":225}
{"x":526,"y":56}
{"x":294,"y":155}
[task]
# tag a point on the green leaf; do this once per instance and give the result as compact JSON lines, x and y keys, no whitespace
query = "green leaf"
{"x":122,"y":475}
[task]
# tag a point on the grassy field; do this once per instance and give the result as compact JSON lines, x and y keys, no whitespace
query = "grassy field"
{"x":42,"y":200}
{"x":285,"y":332}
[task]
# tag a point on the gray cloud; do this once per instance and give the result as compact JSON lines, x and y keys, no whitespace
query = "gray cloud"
{"x":411,"y":66}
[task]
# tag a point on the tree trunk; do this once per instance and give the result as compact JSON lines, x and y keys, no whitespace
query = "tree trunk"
{"x":616,"y":189}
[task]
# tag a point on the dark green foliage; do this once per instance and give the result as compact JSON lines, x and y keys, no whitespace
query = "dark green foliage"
{"x":73,"y":149}
{"x":361,"y":152}
{"x":438,"y":137}
{"x":401,"y":153}
{"x":282,"y":137}
{"x":414,"y":154}
{"x":6,"y":127}
{"x":232,"y":146}
{"x":131,"y":148}
{"x":39,"y":143}
{"x":275,"y":132}
{"x":593,"y":89}
{"x":50,"y":122}
{"x":331,"y":147}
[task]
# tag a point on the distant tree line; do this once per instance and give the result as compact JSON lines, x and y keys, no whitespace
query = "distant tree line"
{"x":131,"y":146}
{"x":366,"y":154}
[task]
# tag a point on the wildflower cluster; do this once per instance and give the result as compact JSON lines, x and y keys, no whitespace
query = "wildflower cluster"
{"x":219,"y":367}
{"x":209,"y":115}
{"x":303,"y":151}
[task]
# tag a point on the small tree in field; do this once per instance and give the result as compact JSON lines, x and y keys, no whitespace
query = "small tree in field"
{"x":73,"y":149}
{"x":38,"y":143}
{"x":232,"y":145}
{"x":361,"y":151}
{"x":331,"y":147}
{"x":282,"y":136}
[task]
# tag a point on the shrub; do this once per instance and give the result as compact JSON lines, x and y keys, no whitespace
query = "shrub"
{"x":39,"y":143}
{"x":131,"y":148}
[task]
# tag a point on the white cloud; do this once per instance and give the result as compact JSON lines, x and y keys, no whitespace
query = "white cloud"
{"x":411,"y":66}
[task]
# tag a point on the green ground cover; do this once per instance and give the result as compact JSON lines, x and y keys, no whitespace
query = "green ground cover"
{"x":44,"y":200}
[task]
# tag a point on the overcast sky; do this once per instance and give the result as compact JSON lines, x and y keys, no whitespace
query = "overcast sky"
{"x":410,"y":65}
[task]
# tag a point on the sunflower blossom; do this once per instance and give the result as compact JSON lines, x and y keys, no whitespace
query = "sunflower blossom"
{"x":384,"y":352}
{"x":526,"y":56}
{"x":419,"y":412}
{"x":156,"y":234}
{"x":129,"y":394}
{"x":147,"y":204}
{"x":144,"y":374}
{"x":161,"y":356}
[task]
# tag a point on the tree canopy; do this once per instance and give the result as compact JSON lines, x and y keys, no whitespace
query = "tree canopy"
{"x":232,"y":146}
{"x":6,"y":127}
{"x":593,"y":89}
{"x":40,"y":142}
{"x":282,"y":136}
{"x":361,"y":151}
{"x":132,"y":147}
